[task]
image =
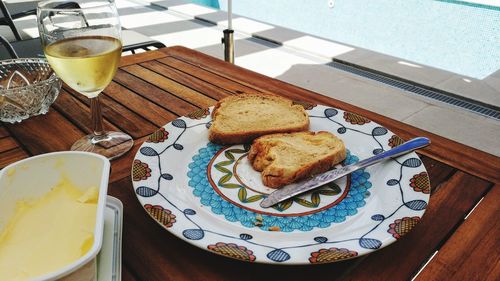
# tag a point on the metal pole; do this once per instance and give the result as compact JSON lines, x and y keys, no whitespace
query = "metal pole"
{"x":228,"y":41}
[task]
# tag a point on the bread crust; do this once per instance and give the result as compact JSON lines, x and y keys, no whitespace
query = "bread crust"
{"x":215,"y":135}
{"x":275,"y":176}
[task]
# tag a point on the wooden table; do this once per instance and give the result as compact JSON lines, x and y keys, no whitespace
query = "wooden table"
{"x":153,"y":88}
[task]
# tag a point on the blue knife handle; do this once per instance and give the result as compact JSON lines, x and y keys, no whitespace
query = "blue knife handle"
{"x":404,"y":148}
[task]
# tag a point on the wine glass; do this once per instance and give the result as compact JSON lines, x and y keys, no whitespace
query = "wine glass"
{"x":82,"y":42}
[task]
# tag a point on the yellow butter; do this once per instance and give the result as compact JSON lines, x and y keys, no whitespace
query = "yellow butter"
{"x":48,"y":233}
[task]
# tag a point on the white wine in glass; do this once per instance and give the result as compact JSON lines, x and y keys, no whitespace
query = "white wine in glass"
{"x":86,"y":64}
{"x":81,"y":40}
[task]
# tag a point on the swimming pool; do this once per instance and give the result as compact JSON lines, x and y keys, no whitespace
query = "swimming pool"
{"x":456,"y":36}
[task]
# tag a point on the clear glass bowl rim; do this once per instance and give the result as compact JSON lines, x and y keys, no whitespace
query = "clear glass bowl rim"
{"x":39,"y":84}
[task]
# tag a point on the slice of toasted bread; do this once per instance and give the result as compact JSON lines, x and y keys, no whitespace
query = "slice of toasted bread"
{"x":287,"y":158}
{"x":242,"y":118}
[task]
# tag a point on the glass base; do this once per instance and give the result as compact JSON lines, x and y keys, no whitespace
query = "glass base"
{"x":111,"y":145}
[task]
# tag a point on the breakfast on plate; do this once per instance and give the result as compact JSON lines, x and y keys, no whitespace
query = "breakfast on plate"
{"x":242,"y":118}
{"x":283,"y":149}
{"x":289,"y":157}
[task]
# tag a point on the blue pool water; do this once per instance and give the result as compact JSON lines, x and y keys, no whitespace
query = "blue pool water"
{"x":209,"y":3}
{"x":452,"y":35}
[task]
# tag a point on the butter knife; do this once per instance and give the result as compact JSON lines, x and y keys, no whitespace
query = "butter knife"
{"x":292,"y":190}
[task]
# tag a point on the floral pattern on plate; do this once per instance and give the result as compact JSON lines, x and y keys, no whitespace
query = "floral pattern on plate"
{"x":230,"y":187}
{"x":209,"y":195}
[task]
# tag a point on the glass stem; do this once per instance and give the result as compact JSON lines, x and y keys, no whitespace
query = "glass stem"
{"x":97,"y":127}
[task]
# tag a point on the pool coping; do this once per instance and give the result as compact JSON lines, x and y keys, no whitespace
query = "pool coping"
{"x":485,"y":92}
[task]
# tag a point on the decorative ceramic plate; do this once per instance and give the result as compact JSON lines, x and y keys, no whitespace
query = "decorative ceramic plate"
{"x":209,"y":195}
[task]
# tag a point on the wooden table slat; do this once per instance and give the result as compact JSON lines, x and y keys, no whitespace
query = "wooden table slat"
{"x":46,"y":133}
{"x":123,"y":118}
{"x":154,"y":94}
{"x":79,"y":112}
{"x":141,"y":57}
{"x":127,"y":275}
{"x":11,"y":156}
{"x":7,"y":144}
{"x":215,"y":78}
{"x":151,"y":111}
{"x":195,"y":83}
{"x":446,"y":209}
{"x":3,"y":131}
{"x":437,"y":171}
{"x":171,"y":86}
{"x":474,"y":249}
{"x":129,"y":121}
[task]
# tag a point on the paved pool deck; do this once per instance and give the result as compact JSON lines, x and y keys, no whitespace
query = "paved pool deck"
{"x":306,"y":62}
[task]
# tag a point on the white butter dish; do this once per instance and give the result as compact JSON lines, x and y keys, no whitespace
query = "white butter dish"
{"x":33,"y":177}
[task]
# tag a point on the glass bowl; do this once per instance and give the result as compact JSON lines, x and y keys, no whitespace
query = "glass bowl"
{"x":28,"y":87}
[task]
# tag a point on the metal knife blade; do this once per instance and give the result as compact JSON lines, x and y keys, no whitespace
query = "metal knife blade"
{"x":292,"y":190}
